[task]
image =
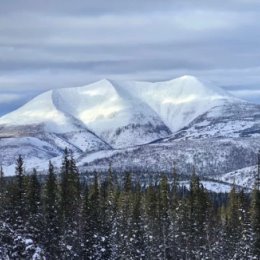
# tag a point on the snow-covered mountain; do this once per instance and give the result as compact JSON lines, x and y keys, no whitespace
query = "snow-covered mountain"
{"x":102,"y":108}
{"x":131,"y":123}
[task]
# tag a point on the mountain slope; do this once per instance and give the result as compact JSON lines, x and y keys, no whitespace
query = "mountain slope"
{"x":136,"y":125}
{"x":210,"y":156}
{"x":232,"y":119}
{"x":121,"y":113}
{"x":179,"y":101}
{"x":111,"y":113}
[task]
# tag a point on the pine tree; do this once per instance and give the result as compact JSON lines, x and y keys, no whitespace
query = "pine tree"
{"x":255,"y":218}
{"x":65,"y":199}
{"x":92,"y":222}
{"x":174,"y":216}
{"x":233,"y":224}
{"x":174,"y":190}
{"x":70,"y":207}
{"x":198,"y":208}
{"x":2,"y":193}
{"x":87,"y":235}
{"x":152,"y":226}
{"x":183,"y":230}
{"x":34,"y":223}
{"x":112,"y":214}
{"x":108,"y":212}
{"x":52,"y":215}
{"x":137,"y":247}
{"x":125,"y":204}
{"x":5,"y":234}
{"x":20,"y":186}
{"x":245,"y":246}
{"x":164,"y":217}
{"x":19,"y":207}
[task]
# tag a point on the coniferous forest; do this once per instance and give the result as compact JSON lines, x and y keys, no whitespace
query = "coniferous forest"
{"x":62,"y":217}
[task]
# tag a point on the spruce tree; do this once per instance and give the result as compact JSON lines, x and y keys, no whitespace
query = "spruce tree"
{"x":64,"y":176}
{"x":164,"y":217}
{"x":151,"y":218}
{"x":245,"y":245}
{"x":52,"y":215}
{"x":35,"y":221}
{"x":255,"y":218}
{"x":124,"y":217}
{"x":92,"y":221}
{"x":137,"y":247}
{"x":20,"y":189}
{"x":19,"y":207}
{"x":112,"y":213}
{"x":70,"y":207}
{"x":198,"y":208}
{"x":5,"y":234}
{"x":233,"y":224}
{"x":34,"y":194}
{"x":2,"y":193}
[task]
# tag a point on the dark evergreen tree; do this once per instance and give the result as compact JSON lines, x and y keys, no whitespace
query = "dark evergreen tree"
{"x":245,"y":245}
{"x":124,"y":217}
{"x":152,"y":226}
{"x":255,"y":218}
{"x":64,"y":176}
{"x":5,"y":231}
{"x":137,"y":246}
{"x":70,"y":207}
{"x":19,"y":212}
{"x":112,"y":214}
{"x":164,"y":218}
{"x":52,"y":215}
{"x":92,"y":222}
{"x":35,"y":219}
{"x":198,"y":210}
{"x":233,"y":225}
{"x":2,"y":193}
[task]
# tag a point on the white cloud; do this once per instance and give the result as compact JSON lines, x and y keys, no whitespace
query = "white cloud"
{"x":7,"y":98}
{"x":145,"y":27}
{"x":246,"y":93}
{"x":63,"y":44}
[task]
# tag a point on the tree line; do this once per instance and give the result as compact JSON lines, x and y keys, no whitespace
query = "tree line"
{"x":62,"y":217}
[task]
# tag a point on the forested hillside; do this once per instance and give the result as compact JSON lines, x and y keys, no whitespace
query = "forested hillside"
{"x":116,"y":217}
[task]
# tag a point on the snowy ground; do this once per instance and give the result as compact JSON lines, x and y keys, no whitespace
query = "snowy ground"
{"x":210,"y":186}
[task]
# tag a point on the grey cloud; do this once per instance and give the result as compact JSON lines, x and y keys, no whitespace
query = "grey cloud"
{"x":51,"y":44}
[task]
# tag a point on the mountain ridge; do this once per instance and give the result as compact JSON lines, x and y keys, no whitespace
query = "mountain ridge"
{"x":108,"y":117}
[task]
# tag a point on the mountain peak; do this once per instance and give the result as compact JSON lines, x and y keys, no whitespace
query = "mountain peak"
{"x":109,"y":104}
{"x":103,"y":81}
{"x":111,"y":114}
{"x":188,"y":77}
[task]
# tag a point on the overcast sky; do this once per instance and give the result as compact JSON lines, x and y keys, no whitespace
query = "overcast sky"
{"x":52,"y":44}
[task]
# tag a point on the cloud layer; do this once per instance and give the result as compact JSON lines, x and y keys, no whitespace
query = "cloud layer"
{"x":53,"y":44}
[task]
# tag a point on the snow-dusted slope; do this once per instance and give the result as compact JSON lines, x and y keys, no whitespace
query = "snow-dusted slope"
{"x":176,"y":101}
{"x":232,"y":119}
{"x":33,"y":141}
{"x":102,"y":107}
{"x":244,"y":177}
{"x":111,"y":113}
{"x":136,"y":124}
{"x":121,"y":113}
{"x":210,"y":156}
{"x":179,"y":101}
{"x":39,"y":110}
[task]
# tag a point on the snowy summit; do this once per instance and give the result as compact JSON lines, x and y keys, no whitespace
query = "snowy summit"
{"x":106,"y":119}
